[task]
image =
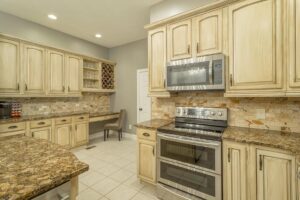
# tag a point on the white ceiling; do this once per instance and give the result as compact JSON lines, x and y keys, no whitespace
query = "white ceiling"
{"x":118,"y":21}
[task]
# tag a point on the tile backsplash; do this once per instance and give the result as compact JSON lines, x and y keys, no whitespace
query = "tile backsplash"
{"x":88,"y":103}
{"x":264,"y":113}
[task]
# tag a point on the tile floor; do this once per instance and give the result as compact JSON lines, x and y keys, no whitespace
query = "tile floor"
{"x":113,"y":173}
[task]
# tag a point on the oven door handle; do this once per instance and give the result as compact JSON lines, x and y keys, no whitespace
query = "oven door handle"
{"x":187,"y":140}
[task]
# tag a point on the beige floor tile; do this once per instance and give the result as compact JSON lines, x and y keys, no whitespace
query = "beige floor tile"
{"x":141,"y":196}
{"x":134,"y":182}
{"x":109,"y":169}
{"x":121,"y":175}
{"x":149,"y":190}
{"x":131,"y":167}
{"x":122,"y":192}
{"x":105,"y":186}
{"x":89,"y":194}
{"x":91,"y":178}
{"x":81,"y":187}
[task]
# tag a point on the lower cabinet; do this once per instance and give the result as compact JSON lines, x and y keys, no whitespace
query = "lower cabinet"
{"x":42,"y":133}
{"x":81,"y":134}
{"x":63,"y":135}
{"x":258,"y":173}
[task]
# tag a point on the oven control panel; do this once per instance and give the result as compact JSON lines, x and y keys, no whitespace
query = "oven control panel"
{"x":202,"y":113}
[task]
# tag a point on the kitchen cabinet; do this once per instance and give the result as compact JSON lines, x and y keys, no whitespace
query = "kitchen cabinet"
{"x":275,"y":176}
{"x":235,"y":171}
{"x":42,"y":133}
{"x":11,"y":129}
{"x":63,"y":135}
{"x":207,"y":33}
{"x":74,"y":74}
{"x":255,"y":42}
{"x":9,"y":66}
{"x":147,"y":155}
{"x":81,"y":133}
{"x":56,"y":72}
{"x":179,"y":40}
{"x":157,"y":45}
{"x":34,"y":68}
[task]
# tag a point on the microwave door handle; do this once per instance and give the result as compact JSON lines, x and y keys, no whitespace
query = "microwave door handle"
{"x":210,"y":71}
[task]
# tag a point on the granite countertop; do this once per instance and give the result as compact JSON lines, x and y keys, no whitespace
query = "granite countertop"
{"x":54,"y":115}
{"x":30,"y":167}
{"x":154,"y":123}
{"x":276,"y":139}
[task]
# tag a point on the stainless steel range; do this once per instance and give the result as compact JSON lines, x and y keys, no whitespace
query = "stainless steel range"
{"x":189,"y":154}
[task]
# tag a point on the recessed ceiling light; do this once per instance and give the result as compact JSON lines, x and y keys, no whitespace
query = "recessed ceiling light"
{"x":98,"y":35}
{"x":51,"y":16}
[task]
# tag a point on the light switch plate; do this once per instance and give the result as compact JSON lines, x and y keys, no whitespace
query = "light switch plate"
{"x":260,"y":114}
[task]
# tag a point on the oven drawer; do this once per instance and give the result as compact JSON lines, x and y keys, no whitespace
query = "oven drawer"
{"x":146,"y":134}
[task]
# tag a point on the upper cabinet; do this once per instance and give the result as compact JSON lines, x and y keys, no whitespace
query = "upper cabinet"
{"x":207,"y":33}
{"x":180,"y":40}
{"x":34,"y":68}
{"x":56,"y":73}
{"x":157,"y":45}
{"x":255,"y":47}
{"x":9,"y":66}
{"x":73,"y":74}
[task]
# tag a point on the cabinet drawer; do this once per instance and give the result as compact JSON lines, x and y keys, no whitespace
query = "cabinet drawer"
{"x":146,"y":134}
{"x":12,"y":127}
{"x":6,"y":134}
{"x":63,"y":120}
{"x":81,"y":118}
{"x":40,"y":123}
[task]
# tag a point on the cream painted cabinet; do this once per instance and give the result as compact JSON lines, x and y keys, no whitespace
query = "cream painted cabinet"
{"x":235,"y":171}
{"x":42,"y":133}
{"x":56,"y":73}
{"x":74,"y":74}
{"x":255,"y":29}
{"x":207,"y":33}
{"x":81,"y":133}
{"x":63,"y":135}
{"x":9,"y":66}
{"x":179,"y":40}
{"x":157,"y":45}
{"x":34,"y":68}
{"x":275,"y":176}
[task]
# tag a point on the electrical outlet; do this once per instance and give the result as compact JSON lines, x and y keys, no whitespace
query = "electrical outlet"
{"x":130,"y":127}
{"x":260,"y":114}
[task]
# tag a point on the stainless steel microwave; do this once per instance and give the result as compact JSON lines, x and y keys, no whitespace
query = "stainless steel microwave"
{"x":202,"y":73}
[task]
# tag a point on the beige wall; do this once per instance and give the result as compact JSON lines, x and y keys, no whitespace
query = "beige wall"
{"x":129,"y":57}
{"x":27,"y":30}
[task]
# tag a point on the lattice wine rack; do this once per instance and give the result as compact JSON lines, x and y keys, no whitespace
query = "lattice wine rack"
{"x":107,"y":78}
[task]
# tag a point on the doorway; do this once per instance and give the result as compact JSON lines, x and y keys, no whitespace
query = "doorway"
{"x":143,"y":100}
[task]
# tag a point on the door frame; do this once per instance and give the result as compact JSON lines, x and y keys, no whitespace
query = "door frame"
{"x":138,"y":89}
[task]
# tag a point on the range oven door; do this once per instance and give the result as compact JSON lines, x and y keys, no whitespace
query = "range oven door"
{"x":192,"y":152}
{"x":190,"y":180}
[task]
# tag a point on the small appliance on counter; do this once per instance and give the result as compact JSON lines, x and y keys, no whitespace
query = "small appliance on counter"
{"x":16,"y":109}
{"x":5,"y":110}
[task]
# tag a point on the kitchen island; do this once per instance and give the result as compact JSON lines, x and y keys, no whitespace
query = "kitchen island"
{"x":30,"y":167}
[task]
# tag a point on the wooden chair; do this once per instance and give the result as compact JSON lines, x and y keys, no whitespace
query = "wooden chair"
{"x":117,"y":126}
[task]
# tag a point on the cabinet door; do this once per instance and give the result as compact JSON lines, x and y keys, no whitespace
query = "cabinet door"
{"x":34,"y":69}
{"x":63,"y":135}
{"x":74,"y":74}
{"x":157,"y":59}
{"x":9,"y":66}
{"x":294,"y":45}
{"x":275,"y":176}
{"x":255,"y":45}
{"x":81,"y":135}
{"x":42,"y":133}
{"x":207,"y":33}
{"x":179,"y":40}
{"x":56,"y":73}
{"x":235,"y":171}
{"x":147,"y":168}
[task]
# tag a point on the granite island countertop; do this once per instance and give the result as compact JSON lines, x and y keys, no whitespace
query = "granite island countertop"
{"x":153,"y":124}
{"x":276,"y":139}
{"x":30,"y":167}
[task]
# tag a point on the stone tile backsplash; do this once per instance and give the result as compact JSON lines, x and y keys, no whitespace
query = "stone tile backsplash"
{"x":280,"y":113}
{"x":87,"y":103}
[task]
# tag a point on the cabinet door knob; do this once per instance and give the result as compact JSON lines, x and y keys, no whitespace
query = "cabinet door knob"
{"x":140,"y":109}
{"x":12,"y":127}
{"x":146,"y":134}
{"x":41,"y":123}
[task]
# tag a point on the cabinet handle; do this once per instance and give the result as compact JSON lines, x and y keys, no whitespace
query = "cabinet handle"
{"x":12,"y":127}
{"x":164,"y":83}
{"x":260,"y":162}
{"x":63,"y":87}
{"x":26,"y":87}
{"x":197,"y":47}
{"x":81,"y":117}
{"x":229,"y":155}
{"x":189,"y":49}
{"x":18,"y":86}
{"x":76,"y":127}
{"x":298,"y":172}
{"x":146,"y":134}
{"x":69,"y":89}
{"x":63,"y":120}
{"x":153,"y":151}
{"x":231,"y":80}
{"x":41,"y":123}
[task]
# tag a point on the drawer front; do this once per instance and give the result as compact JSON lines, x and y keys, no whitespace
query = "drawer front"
{"x":12,"y":127}
{"x":6,"y":134}
{"x":63,"y":120}
{"x":146,"y":134}
{"x":40,"y":123}
{"x":81,"y":118}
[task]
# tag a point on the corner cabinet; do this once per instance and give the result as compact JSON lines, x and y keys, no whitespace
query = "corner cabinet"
{"x":157,"y":51}
{"x":256,"y":48}
{"x":9,"y":66}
